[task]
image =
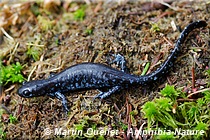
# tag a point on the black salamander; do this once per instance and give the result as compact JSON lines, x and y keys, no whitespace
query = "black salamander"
{"x":87,"y":76}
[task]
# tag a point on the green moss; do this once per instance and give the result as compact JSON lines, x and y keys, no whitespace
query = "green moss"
{"x":187,"y":115}
{"x":45,"y":23}
{"x":165,"y":137}
{"x":79,"y":14}
{"x":89,"y":31}
{"x":3,"y":134}
{"x":208,"y":77}
{"x":169,"y":91}
{"x":11,"y":73}
{"x":34,"y":50}
{"x":101,"y":138}
{"x":12,"y":119}
{"x":123,"y":126}
{"x":35,"y":9}
{"x":134,"y":112}
{"x":155,"y":28}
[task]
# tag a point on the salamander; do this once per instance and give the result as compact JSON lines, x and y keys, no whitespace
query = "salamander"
{"x":86,"y":76}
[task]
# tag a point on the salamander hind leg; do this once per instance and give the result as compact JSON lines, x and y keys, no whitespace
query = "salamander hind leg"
{"x":103,"y":95}
{"x":61,"y":97}
{"x":120,"y":61}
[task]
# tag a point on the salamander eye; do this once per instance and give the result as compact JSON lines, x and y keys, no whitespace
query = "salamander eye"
{"x":24,"y":82}
{"x":26,"y":93}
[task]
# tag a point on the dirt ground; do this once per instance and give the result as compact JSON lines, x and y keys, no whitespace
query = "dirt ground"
{"x":141,"y":32}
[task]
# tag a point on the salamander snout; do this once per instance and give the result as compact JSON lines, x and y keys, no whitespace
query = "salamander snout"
{"x":25,"y":92}
{"x":31,"y":89}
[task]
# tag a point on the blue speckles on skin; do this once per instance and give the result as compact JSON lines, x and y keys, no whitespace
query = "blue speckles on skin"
{"x":164,"y":68}
{"x":72,"y":87}
{"x":63,"y":84}
{"x":78,"y":85}
{"x":68,"y":87}
{"x":155,"y":78}
{"x":53,"y":88}
{"x":131,"y":81}
{"x":87,"y":84}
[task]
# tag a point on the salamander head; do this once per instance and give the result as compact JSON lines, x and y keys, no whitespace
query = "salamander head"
{"x":31,"y":89}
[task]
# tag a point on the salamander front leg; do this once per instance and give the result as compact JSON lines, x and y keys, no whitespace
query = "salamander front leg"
{"x":103,"y":95}
{"x":61,"y":97}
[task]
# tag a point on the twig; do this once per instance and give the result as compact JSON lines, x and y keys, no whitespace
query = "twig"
{"x":206,"y":89}
{"x":19,"y":109}
{"x":193,"y":77}
{"x":6,"y":34}
{"x":166,"y":4}
{"x":12,"y":55}
{"x":167,"y":41}
{"x":162,"y":15}
{"x":10,"y":88}
{"x":186,"y":100}
{"x":51,"y":70}
{"x":13,"y":41}
{"x":70,"y":117}
{"x":6,"y":109}
{"x":129,"y":108}
{"x":116,"y":107}
{"x":29,"y":76}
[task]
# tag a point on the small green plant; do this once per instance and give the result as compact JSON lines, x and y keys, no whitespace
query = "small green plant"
{"x":208,"y":72}
{"x":45,"y":23}
{"x":3,"y":134}
{"x":1,"y":73}
{"x":12,"y":119}
{"x":79,"y":14}
{"x":155,"y":28}
{"x":170,"y":92}
{"x":150,"y":111}
{"x":159,"y":111}
{"x":207,"y":96}
{"x":201,"y":126}
{"x":35,"y":9}
{"x":165,"y":137}
{"x":79,"y":126}
{"x":34,"y":51}
{"x":57,"y":41}
{"x":89,"y":31}
{"x":123,"y":126}
{"x":11,"y":73}
{"x":101,"y":137}
{"x":145,"y":69}
{"x":134,"y":112}
{"x":208,"y":77}
{"x":188,"y":115}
